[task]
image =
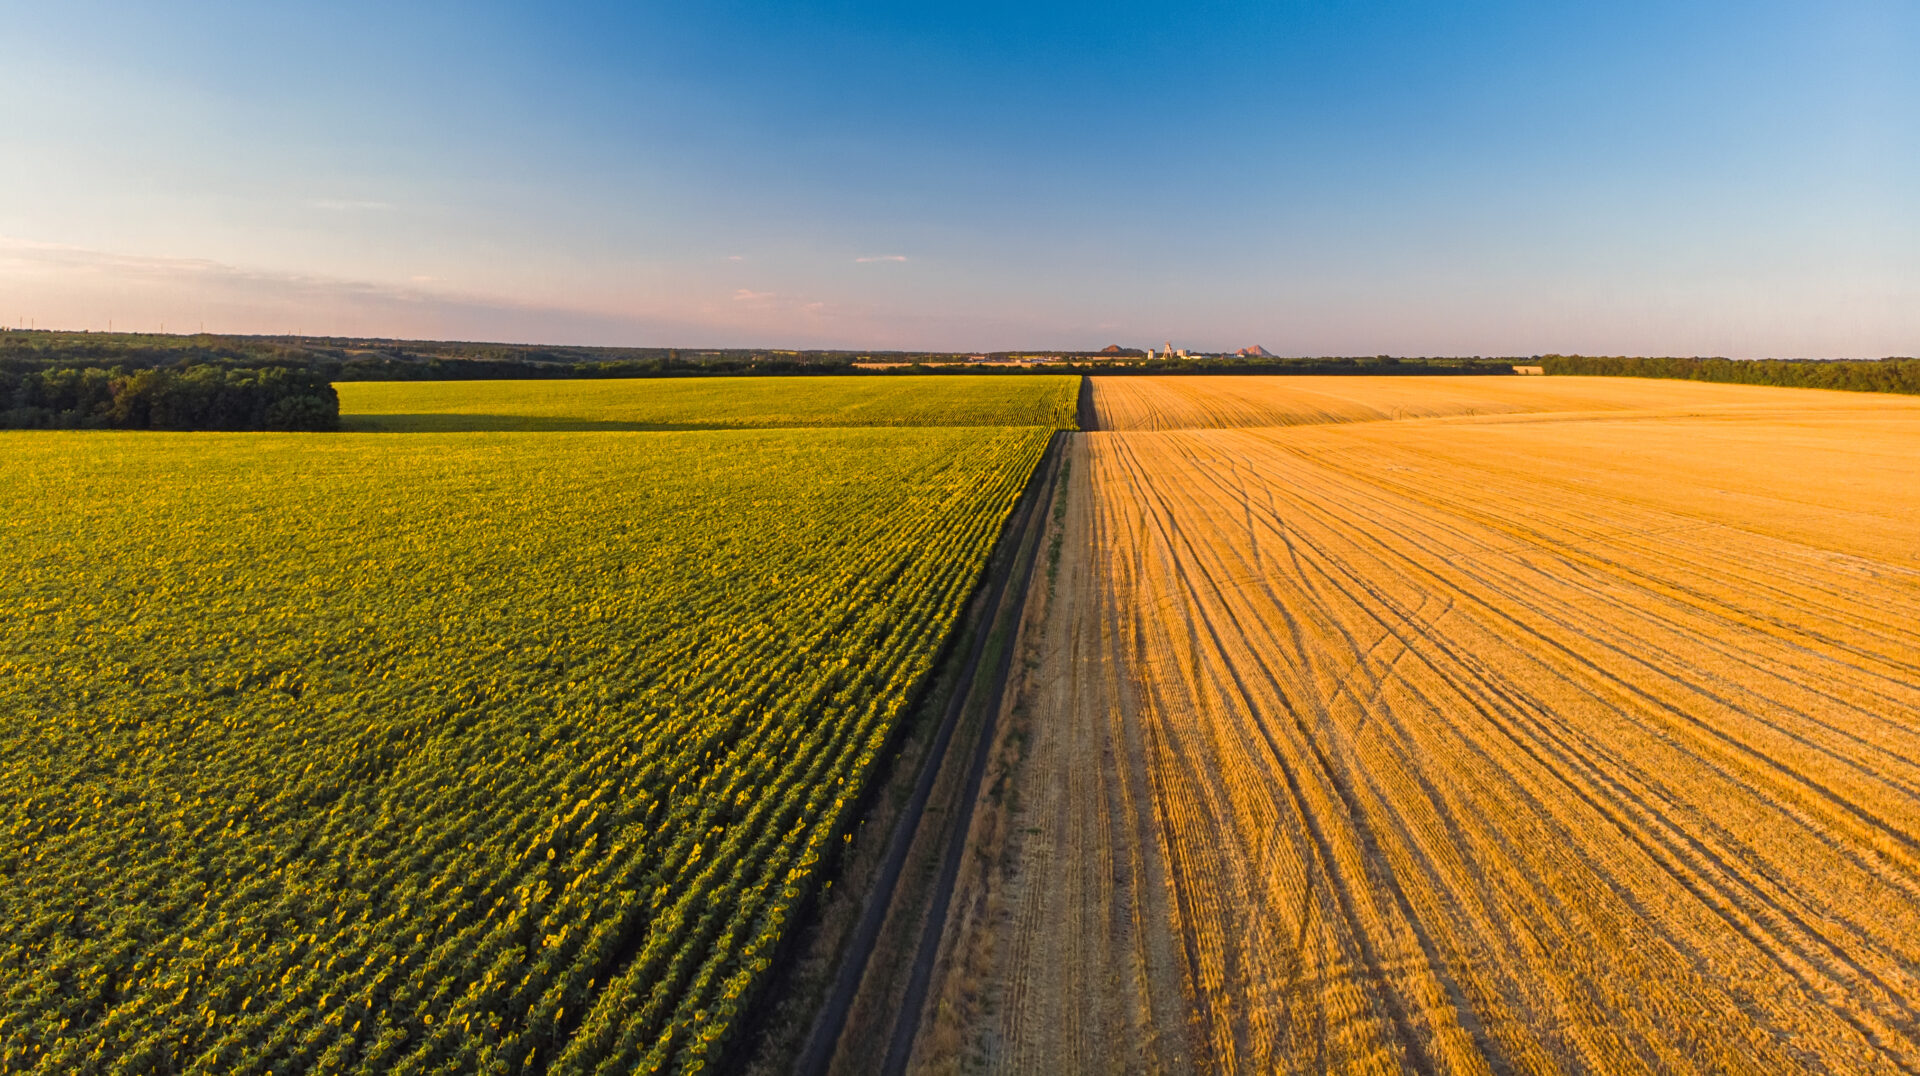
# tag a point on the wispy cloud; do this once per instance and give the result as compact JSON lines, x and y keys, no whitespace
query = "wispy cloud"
{"x":63,"y":286}
{"x":101,"y":264}
{"x":760,"y":305}
{"x":882,"y":258}
{"x":736,"y":257}
{"x":349,"y":205}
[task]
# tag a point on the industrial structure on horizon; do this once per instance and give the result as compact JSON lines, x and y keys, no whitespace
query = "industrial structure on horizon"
{"x":1170,"y":352}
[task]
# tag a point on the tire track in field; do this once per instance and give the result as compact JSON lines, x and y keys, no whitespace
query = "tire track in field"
{"x":1192,"y":576}
{"x":1454,"y":763}
{"x":1620,"y":652}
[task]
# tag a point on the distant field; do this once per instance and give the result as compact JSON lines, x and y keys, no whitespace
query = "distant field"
{"x":709,"y":403}
{"x":1584,"y":741}
{"x":470,"y":752}
{"x":1185,"y":403}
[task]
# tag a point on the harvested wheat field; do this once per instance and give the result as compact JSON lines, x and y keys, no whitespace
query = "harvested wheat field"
{"x":1182,"y":403}
{"x":1578,"y":731}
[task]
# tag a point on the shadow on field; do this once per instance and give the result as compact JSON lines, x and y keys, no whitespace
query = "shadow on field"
{"x":444,"y":423}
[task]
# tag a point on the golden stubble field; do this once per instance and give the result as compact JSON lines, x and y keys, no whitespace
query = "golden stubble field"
{"x":1450,"y":725}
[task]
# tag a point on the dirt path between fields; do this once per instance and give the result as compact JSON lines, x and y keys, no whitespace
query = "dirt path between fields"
{"x":871,"y":1015}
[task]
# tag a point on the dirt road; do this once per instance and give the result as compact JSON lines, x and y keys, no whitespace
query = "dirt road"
{"x":1574,"y":726}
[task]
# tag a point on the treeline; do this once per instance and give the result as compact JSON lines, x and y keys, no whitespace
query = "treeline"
{"x":1883,"y":375}
{"x":189,"y":398}
{"x":357,"y":359}
{"x":363,"y":359}
{"x":951,"y":365}
{"x":1376,"y":366}
{"x":440,"y":369}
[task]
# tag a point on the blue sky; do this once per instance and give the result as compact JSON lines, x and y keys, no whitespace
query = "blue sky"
{"x":1323,"y":178}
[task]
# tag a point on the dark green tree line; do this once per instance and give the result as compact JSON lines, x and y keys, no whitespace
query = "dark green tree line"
{"x":193,"y":398}
{"x":1884,"y":375}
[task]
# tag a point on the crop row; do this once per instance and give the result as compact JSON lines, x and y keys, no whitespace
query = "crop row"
{"x":711,"y":403}
{"x":448,"y":753}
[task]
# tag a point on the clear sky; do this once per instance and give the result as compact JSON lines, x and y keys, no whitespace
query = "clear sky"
{"x":1736,"y":178}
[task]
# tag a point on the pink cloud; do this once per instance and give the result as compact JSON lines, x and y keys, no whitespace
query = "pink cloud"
{"x":56,"y":285}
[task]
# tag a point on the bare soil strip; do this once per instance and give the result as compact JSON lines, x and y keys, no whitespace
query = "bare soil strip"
{"x":998,"y":661}
{"x":1581,"y":738}
{"x":871,"y":1013}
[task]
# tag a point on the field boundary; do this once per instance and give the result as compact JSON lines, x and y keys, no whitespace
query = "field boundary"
{"x":1007,"y":626}
{"x":1086,"y":417}
{"x":1020,"y":541}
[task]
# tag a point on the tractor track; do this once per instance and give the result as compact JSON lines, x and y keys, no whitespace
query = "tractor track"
{"x":999,"y":621}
